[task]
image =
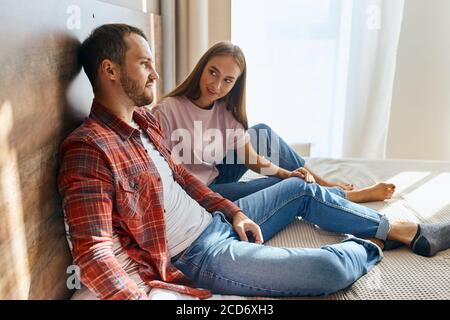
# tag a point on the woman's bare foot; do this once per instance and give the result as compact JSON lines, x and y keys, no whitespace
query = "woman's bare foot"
{"x":378,"y":192}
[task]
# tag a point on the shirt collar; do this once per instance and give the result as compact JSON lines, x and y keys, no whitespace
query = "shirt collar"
{"x":124,"y":130}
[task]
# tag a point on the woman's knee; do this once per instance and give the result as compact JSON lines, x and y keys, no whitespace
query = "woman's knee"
{"x":261,"y":130}
{"x":261,"y":126}
{"x":302,"y":187}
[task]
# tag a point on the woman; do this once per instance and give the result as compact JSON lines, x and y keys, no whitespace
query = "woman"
{"x":205,"y":125}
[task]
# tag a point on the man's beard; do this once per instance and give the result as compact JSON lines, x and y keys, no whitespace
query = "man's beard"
{"x":134,"y":92}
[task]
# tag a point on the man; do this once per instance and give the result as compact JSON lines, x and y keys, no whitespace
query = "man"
{"x":117,"y":177}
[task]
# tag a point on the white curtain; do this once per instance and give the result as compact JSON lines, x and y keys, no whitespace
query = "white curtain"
{"x":373,"y":42}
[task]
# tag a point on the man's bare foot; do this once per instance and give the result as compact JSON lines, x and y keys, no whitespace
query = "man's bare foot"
{"x":378,"y":192}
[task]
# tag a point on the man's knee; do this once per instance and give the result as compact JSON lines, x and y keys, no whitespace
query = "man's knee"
{"x":332,"y":273}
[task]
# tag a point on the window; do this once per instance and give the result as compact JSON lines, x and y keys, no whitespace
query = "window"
{"x":295,"y":56}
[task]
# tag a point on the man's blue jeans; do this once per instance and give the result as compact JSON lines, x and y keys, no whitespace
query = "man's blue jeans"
{"x":227,"y":183}
{"x":219,"y":261}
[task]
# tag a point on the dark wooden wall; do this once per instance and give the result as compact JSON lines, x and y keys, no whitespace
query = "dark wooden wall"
{"x":43,"y":96}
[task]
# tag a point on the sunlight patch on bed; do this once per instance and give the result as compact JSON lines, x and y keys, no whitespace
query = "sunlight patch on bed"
{"x":406,"y":180}
{"x":431,"y":197}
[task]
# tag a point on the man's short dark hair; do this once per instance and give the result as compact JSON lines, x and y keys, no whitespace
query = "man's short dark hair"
{"x":105,"y":42}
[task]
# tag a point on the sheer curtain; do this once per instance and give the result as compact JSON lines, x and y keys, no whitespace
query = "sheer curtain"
{"x":374,"y":36}
{"x":321,"y":71}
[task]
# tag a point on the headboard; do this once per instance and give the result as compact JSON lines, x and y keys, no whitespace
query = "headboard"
{"x":43,"y":96}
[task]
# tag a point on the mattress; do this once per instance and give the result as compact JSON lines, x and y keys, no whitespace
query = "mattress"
{"x":421,"y":196}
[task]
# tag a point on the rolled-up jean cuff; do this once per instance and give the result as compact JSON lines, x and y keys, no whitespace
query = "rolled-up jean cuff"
{"x":367,"y":244}
{"x":383,"y":229}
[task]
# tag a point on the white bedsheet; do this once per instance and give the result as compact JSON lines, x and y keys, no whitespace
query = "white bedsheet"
{"x":422,"y":196}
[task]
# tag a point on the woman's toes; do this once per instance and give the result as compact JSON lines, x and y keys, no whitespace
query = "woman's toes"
{"x":390,"y":194}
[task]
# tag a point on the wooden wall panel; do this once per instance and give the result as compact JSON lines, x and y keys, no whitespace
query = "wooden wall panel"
{"x":43,"y":96}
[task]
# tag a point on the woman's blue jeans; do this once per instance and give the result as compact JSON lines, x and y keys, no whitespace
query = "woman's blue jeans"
{"x":219,"y":261}
{"x":227,"y":183}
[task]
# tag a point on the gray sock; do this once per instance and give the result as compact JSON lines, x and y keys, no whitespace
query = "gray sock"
{"x":431,"y":238}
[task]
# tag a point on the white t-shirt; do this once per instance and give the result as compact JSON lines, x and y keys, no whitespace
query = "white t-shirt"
{"x":185,"y":218}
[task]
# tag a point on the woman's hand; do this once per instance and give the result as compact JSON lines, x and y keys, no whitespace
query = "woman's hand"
{"x":301,"y":173}
{"x":242,"y":224}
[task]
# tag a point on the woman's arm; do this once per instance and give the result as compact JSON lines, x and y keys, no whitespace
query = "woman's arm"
{"x":325,"y":183}
{"x":261,"y":165}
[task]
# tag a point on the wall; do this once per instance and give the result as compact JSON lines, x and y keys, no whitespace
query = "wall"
{"x":219,"y":21}
{"x":420,"y":120}
{"x":152,"y":5}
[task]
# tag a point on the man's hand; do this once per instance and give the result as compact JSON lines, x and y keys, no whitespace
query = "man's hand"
{"x":302,"y":173}
{"x":242,"y":224}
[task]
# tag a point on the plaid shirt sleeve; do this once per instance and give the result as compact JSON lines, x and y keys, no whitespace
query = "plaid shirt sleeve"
{"x":86,"y":184}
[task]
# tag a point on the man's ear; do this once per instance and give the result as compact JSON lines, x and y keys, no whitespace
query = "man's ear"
{"x":109,"y":69}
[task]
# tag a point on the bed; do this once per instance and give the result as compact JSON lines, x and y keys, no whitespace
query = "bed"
{"x":421,"y":196}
